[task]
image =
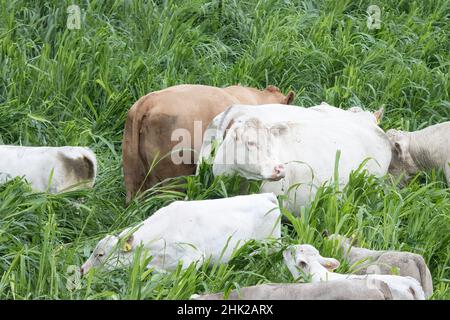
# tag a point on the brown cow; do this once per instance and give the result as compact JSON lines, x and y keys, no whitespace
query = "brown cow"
{"x":149,"y":130}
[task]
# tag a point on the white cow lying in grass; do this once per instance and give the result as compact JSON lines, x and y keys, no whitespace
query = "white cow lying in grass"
{"x":63,"y":167}
{"x":421,"y":150}
{"x":192,"y":231}
{"x":307,"y":259}
{"x":382,"y":262}
{"x":294,"y":146}
{"x":355,"y":289}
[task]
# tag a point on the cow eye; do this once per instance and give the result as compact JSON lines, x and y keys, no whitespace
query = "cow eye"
{"x":100,"y":254}
{"x":251,"y":143}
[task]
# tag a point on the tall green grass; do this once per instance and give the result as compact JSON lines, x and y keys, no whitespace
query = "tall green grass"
{"x":73,"y":87}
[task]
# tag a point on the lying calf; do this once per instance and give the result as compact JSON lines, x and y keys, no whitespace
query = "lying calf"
{"x":382,"y":262}
{"x":421,"y":150}
{"x":71,"y":166}
{"x":191,"y":231}
{"x":331,"y":290}
{"x":308,"y":259}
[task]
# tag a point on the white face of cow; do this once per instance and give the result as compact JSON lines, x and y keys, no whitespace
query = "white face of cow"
{"x":308,"y":259}
{"x":250,"y":149}
{"x":107,"y":254}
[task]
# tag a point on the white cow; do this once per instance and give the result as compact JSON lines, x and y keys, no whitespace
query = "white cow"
{"x":216,"y":130}
{"x":425,"y":149}
{"x":299,"y":151}
{"x":192,"y":231}
{"x":382,"y":262}
{"x":52,"y":169}
{"x":307,"y":259}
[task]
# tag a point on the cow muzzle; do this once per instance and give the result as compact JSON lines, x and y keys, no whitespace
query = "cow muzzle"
{"x":85,"y":268}
{"x":279,"y":172}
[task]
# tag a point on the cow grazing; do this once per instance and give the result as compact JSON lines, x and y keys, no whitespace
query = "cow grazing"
{"x":421,"y":150}
{"x":355,"y":289}
{"x":192,"y":231}
{"x":307,"y":259}
{"x":163,"y":130}
{"x":384,"y":262}
{"x":52,"y":169}
{"x":294,"y":146}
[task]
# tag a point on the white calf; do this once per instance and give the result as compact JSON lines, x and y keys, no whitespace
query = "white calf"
{"x":382,"y":262}
{"x":192,"y":231}
{"x":49,"y":168}
{"x":308,"y":259}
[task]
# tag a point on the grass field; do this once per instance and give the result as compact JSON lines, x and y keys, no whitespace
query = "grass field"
{"x":74,"y":87}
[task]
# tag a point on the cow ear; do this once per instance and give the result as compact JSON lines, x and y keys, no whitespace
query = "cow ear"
{"x":398,"y":149}
{"x":128,"y":244}
{"x":215,"y":133}
{"x":329,"y":263}
{"x":272,"y":88}
{"x":289,"y":98}
{"x":379,"y":114}
{"x":279,"y":129}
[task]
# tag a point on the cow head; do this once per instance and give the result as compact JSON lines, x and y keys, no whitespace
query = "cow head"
{"x":273,"y":95}
{"x":307,"y":258}
{"x":269,"y":95}
{"x":250,"y":149}
{"x":402,"y":161}
{"x":109,"y":253}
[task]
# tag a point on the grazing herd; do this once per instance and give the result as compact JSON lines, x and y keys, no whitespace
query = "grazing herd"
{"x":255,"y":134}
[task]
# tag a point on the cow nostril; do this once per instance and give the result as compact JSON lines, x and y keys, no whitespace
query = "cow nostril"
{"x":279,"y":168}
